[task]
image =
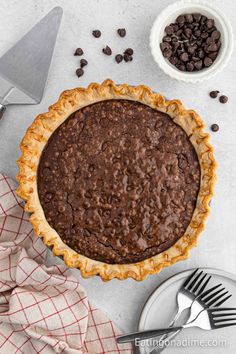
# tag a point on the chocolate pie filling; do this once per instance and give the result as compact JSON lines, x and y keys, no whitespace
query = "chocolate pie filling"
{"x":119,"y":181}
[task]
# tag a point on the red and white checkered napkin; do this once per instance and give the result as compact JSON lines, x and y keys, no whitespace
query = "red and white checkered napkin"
{"x":43,"y":310}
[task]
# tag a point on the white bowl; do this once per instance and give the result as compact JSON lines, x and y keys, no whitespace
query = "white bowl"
{"x":169,"y":15}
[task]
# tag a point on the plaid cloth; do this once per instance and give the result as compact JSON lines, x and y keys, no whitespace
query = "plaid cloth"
{"x":43,"y":310}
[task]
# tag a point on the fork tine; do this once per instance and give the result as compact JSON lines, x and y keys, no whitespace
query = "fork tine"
{"x":222,"y":301}
{"x":200,"y":291}
{"x":211,"y":295}
{"x":209,"y":291}
{"x":193,"y":282}
{"x":213,"y":301}
{"x":199,"y":282}
{"x":224,"y":320}
{"x":225,"y":325}
{"x":190,"y":277}
{"x":221,"y":309}
{"x":223,"y":315}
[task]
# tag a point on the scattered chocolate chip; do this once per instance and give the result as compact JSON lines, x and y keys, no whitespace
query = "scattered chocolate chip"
{"x":79,"y":51}
{"x":192,"y":39}
{"x":119,"y":58}
{"x":214,"y":94}
{"x":121,"y":32}
{"x":223,"y":99}
{"x":129,"y":51}
{"x":83,"y":62}
{"x":215,"y":127}
{"x":127,"y":57}
{"x":79,"y":72}
{"x":97,"y":33}
{"x":107,"y":50}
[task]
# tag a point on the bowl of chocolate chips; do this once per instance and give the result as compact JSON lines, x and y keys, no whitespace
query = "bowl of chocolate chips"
{"x":191,"y":41}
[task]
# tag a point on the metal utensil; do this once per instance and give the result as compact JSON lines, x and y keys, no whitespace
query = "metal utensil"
{"x":193,"y":286}
{"x":205,"y":300}
{"x":208,"y":319}
{"x":24,"y":68}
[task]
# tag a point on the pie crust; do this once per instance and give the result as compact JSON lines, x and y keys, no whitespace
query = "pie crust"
{"x":45,"y":124}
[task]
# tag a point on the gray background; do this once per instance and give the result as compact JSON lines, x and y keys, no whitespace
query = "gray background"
{"x":217,"y":245}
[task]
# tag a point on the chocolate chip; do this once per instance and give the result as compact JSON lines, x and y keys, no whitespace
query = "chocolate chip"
{"x":201,"y":54}
{"x":121,"y":32}
{"x":96,"y":33}
{"x":173,"y":60}
{"x":210,"y":23}
{"x":79,"y":72}
{"x":192,"y":49}
{"x":208,"y":62}
{"x":215,"y":34}
{"x":107,"y":50}
{"x":169,"y":30}
{"x":83,"y":62}
{"x":189,"y":18}
{"x":198,"y":64}
{"x":197,"y":17}
{"x":167,"y":39}
{"x":215,"y":127}
{"x":167,"y":53}
{"x":129,"y":51}
{"x":180,"y":19}
{"x":212,"y":47}
{"x":214,"y":94}
{"x":204,"y":35}
{"x":127,"y":57}
{"x":119,"y":58}
{"x":188,"y":32}
{"x":213,"y":55}
{"x":79,"y":51}
{"x":184,"y":57}
{"x":165,"y":45}
{"x":190,"y":66}
{"x":223,"y":99}
{"x":203,"y":20}
{"x":181,"y":67}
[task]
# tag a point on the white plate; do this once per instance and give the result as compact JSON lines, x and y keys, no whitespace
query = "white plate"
{"x":161,"y":306}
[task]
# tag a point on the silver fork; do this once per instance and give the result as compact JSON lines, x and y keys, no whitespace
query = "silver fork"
{"x":213,"y":318}
{"x":191,"y":288}
{"x":214,"y":296}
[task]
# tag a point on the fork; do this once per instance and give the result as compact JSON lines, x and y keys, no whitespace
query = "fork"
{"x":203,"y":301}
{"x":208,"y":319}
{"x":189,"y":291}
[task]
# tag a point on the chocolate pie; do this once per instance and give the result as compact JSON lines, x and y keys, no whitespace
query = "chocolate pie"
{"x":117,"y":179}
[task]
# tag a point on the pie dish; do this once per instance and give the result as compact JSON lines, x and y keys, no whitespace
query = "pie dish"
{"x":118,"y":179}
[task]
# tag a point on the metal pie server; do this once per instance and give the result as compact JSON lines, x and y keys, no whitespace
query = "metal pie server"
{"x":24,"y":67}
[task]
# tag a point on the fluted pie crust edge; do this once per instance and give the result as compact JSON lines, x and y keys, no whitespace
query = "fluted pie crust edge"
{"x":45,"y":124}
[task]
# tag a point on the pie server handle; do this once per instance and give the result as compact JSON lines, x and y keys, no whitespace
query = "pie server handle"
{"x":2,"y":110}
